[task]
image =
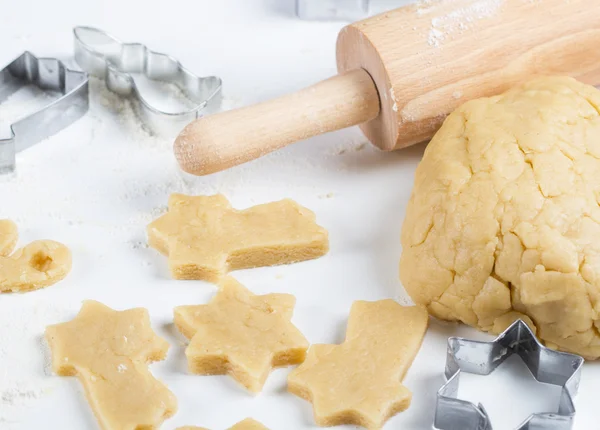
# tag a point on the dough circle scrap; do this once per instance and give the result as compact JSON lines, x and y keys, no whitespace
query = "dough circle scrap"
{"x":504,"y":219}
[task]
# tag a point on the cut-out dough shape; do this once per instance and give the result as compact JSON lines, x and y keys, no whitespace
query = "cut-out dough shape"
{"x":37,"y":265}
{"x":247,"y":424}
{"x":110,"y":351}
{"x":241,"y":334}
{"x":8,"y":237}
{"x":204,"y":237}
{"x":360,"y":381}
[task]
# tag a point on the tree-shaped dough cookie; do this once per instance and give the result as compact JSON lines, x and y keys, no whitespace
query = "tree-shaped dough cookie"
{"x":247,"y":424}
{"x":109,"y":351}
{"x":241,"y":334}
{"x":37,"y":265}
{"x":204,"y":237}
{"x":359,"y":381}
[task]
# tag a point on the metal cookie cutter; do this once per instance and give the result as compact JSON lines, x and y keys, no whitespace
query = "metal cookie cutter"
{"x":482,"y":358}
{"x":48,"y":74}
{"x":105,"y":56}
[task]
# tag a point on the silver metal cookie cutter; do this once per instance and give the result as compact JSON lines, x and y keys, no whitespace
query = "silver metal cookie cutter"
{"x":106,"y":57}
{"x":482,"y":358}
{"x":47,"y":74}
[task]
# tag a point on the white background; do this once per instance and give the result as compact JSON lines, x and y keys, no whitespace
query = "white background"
{"x":96,"y":185}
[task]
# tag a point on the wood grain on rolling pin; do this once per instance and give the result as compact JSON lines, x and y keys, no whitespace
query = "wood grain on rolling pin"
{"x":403,"y":71}
{"x":427,"y":60}
{"x":224,"y":140}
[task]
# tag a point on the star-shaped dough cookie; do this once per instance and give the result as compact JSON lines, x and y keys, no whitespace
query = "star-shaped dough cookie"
{"x":109,"y":351}
{"x":359,"y":381}
{"x":241,"y":334}
{"x":204,"y":237}
{"x":247,"y":424}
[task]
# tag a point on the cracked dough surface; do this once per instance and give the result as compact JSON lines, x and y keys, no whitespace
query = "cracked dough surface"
{"x":504,"y":219}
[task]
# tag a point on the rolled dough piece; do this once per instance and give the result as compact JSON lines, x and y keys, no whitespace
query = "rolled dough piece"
{"x":504,"y":218}
{"x":110,"y":351}
{"x":241,"y":334}
{"x":247,"y":424}
{"x":360,"y":381}
{"x":205,"y":238}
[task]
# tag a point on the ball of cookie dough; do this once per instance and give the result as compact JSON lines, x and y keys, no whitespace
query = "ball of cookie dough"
{"x":504,"y":219}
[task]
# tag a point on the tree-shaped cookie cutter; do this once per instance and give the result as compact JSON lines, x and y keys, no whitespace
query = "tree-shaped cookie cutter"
{"x":482,"y":358}
{"x":47,"y":74}
{"x":108,"y":58}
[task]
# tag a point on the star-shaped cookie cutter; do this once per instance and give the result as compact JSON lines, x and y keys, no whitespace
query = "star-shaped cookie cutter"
{"x":482,"y":358}
{"x":103,"y":55}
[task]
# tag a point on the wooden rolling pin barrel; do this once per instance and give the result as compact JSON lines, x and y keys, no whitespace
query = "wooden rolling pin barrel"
{"x":402,"y":72}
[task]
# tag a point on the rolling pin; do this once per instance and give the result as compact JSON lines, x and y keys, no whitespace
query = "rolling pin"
{"x":402,"y":72}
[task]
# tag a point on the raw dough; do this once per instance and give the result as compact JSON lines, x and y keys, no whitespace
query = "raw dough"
{"x":37,"y":265}
{"x":360,"y":381}
{"x":8,"y":237}
{"x":205,"y":237}
{"x":241,"y":334}
{"x":247,"y":424}
{"x":109,"y":351}
{"x":505,"y":215}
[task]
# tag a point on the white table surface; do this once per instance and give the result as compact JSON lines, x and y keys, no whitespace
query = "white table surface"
{"x":97,"y":184}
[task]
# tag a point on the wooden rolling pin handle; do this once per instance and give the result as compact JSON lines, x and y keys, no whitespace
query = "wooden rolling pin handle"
{"x":220,"y":141}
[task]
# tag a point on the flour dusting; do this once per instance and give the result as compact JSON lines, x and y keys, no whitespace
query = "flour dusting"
{"x":393,"y":96}
{"x":97,"y":138}
{"x":458,"y":20}
{"x":25,"y":373}
{"x":25,"y":101}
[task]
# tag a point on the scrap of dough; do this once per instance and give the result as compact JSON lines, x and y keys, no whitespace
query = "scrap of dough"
{"x":8,"y":237}
{"x":241,"y":334}
{"x":504,"y":217}
{"x":506,"y":320}
{"x":360,"y":381}
{"x":247,"y":424}
{"x":37,"y":265}
{"x":204,"y":237}
{"x":110,"y":351}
